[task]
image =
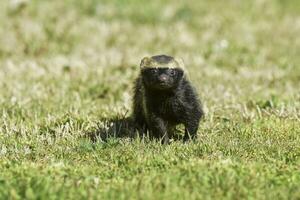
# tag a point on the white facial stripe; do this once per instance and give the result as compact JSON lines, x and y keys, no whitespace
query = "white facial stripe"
{"x":160,"y":65}
{"x":150,"y":63}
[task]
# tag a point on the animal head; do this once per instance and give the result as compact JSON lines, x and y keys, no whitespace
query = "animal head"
{"x":161,"y":72}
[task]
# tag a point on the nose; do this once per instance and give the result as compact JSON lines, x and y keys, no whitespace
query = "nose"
{"x":163,"y":77}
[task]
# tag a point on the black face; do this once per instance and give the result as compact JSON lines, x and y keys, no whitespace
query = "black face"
{"x":161,"y":78}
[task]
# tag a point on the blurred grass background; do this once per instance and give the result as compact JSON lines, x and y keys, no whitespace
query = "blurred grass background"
{"x":68,"y":66}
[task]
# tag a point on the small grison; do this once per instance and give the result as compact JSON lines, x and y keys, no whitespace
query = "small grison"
{"x":163,"y":98}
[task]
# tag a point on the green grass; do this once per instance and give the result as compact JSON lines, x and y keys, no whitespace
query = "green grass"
{"x":67,"y":68}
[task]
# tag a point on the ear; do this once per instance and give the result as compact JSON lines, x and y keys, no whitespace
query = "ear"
{"x":180,"y":73}
{"x":145,"y":62}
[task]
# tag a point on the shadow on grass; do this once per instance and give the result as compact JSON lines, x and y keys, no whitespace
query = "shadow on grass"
{"x":121,"y":127}
{"x":118,"y":127}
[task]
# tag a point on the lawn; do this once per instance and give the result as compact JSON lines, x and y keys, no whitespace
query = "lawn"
{"x":67,"y":69}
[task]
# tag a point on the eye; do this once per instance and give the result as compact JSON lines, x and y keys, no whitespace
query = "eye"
{"x":172,"y":72}
{"x":154,"y":70}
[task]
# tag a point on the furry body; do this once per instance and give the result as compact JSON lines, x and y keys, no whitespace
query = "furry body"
{"x":164,"y":98}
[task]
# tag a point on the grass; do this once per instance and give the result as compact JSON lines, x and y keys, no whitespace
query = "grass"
{"x":67,"y":67}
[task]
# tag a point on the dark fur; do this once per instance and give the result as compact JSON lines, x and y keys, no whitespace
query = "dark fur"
{"x":159,"y":104}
